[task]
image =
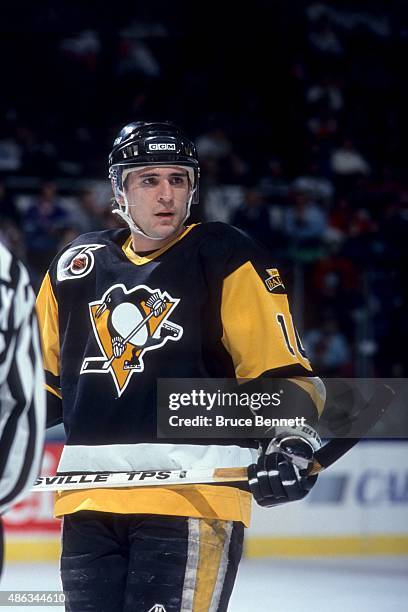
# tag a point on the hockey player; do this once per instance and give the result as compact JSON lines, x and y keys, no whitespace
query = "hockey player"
{"x":22,"y":394}
{"x":161,"y":299}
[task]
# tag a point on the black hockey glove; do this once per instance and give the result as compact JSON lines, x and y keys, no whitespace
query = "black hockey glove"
{"x":280,"y":474}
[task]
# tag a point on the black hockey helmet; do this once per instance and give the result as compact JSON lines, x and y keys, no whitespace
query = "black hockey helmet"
{"x":144,"y":143}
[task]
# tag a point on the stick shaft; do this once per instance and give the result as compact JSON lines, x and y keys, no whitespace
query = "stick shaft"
{"x":370,"y":415}
{"x":129,"y":336}
{"x":139,"y":479}
{"x":104,"y":365}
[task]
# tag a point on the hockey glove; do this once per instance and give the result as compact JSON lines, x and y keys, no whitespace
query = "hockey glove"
{"x":280,"y":474}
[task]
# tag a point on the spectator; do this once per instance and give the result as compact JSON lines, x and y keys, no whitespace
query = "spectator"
{"x":253,"y":217}
{"x":326,"y":93}
{"x":89,"y":214}
{"x":8,"y":208}
{"x":10,"y":155}
{"x":214,"y":144}
{"x":273,"y":185}
{"x":44,"y":222}
{"x":347,"y":161}
{"x":304,"y":222}
{"x":315,"y":186}
{"x":327,"y":347}
{"x":324,"y":39}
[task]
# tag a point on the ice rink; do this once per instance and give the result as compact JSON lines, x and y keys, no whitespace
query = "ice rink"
{"x":272,"y":585}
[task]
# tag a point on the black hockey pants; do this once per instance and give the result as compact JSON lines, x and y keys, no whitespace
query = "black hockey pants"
{"x":148,"y":563}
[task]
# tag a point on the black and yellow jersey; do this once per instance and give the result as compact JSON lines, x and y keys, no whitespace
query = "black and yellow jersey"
{"x":208,"y":304}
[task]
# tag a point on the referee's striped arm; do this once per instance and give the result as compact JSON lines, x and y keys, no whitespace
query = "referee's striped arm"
{"x":22,"y":394}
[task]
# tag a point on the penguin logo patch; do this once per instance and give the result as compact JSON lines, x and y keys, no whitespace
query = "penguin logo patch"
{"x":128,"y":324}
{"x":77,"y":261}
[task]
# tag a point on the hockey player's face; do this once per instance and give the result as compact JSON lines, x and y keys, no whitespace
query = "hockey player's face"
{"x":158,"y":199}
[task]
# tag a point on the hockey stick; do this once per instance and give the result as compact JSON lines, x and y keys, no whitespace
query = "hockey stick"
{"x":97,"y":364}
{"x":139,"y":479}
{"x":324,"y":458}
{"x":368,"y":417}
{"x":337,"y":447}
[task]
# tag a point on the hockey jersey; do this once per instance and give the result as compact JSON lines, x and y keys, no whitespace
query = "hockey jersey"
{"x":208,"y":304}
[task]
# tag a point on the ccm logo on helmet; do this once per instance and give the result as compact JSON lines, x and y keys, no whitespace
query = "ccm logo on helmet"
{"x":161,"y":146}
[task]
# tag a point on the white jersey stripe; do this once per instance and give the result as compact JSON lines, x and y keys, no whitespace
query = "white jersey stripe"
{"x":190,"y":576}
{"x":222,"y":569}
{"x":146,"y":456}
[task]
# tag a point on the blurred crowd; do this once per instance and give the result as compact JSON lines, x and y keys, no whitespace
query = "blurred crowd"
{"x":311,"y":163}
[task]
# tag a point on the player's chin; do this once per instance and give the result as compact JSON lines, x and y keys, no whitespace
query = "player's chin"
{"x":163,"y":232}
{"x":167,"y":226}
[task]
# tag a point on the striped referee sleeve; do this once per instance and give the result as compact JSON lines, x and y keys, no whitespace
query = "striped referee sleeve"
{"x":22,"y":395}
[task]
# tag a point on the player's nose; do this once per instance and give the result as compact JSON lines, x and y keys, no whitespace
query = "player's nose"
{"x":165,"y":192}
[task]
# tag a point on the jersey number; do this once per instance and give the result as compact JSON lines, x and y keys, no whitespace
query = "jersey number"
{"x":281,"y":320}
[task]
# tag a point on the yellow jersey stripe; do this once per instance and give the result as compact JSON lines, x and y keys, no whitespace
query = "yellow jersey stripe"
{"x":140,"y":260}
{"x":198,"y":501}
{"x":53,"y":391}
{"x":47,"y":313}
{"x":246,"y":337}
{"x":213,"y":535}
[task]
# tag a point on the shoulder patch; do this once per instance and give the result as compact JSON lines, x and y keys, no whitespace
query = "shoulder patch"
{"x":274,"y":281}
{"x":77,"y":262}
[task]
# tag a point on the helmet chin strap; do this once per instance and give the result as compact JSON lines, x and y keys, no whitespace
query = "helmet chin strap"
{"x":124,"y":214}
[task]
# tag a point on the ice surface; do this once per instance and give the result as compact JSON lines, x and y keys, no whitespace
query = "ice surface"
{"x":275,"y":585}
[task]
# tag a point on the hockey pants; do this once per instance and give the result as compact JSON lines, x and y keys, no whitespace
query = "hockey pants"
{"x":148,"y":563}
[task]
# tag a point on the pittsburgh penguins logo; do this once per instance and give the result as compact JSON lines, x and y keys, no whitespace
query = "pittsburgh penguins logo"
{"x":77,"y":261}
{"x":127,"y":324}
